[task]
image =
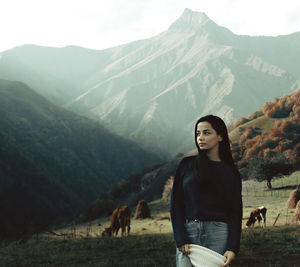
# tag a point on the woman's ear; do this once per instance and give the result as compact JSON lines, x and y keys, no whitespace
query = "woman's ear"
{"x":220,"y":138}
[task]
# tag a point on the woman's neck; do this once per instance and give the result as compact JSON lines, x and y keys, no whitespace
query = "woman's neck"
{"x":213,"y":156}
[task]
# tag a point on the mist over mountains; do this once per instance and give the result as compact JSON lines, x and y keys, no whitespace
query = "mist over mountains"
{"x":153,"y":90}
{"x":54,"y":162}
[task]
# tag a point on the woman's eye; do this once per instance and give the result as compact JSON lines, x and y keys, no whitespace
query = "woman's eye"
{"x":205,"y":133}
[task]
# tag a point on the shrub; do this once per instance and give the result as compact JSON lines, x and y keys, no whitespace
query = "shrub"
{"x":270,"y":144}
{"x":279,"y":108}
{"x":266,"y":168}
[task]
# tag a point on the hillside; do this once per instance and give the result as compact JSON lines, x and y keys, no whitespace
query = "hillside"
{"x":152,"y":91}
{"x":147,"y":184}
{"x":54,"y":162}
{"x":273,"y":129}
{"x":254,"y":194}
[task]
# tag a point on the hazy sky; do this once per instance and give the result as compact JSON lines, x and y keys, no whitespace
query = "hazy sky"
{"x":101,"y":24}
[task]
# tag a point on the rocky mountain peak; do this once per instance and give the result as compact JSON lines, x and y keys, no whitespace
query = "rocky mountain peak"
{"x":190,"y":20}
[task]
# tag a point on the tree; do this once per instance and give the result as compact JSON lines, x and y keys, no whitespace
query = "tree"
{"x":271,"y":166}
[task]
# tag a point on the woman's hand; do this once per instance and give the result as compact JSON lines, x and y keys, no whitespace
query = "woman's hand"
{"x":185,"y":249}
{"x":230,"y":255}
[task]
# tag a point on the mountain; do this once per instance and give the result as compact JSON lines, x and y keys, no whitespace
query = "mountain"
{"x":272,"y":129}
{"x":153,"y":90}
{"x":53,"y":162}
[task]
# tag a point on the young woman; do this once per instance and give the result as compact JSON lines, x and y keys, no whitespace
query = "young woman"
{"x":206,"y":203}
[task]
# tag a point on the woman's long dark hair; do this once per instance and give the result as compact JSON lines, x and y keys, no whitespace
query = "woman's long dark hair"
{"x":202,"y":161}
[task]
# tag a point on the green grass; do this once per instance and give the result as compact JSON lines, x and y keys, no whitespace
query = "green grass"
{"x":265,"y":124}
{"x":137,"y":250}
{"x":278,"y":246}
{"x":271,"y":246}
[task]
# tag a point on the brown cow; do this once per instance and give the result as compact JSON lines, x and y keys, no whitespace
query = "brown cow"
{"x":114,"y":222}
{"x":106,"y":232}
{"x":120,"y":218}
{"x":124,"y":215}
{"x":255,"y":215}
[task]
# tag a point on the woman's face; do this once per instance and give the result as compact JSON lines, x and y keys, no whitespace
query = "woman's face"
{"x":207,"y":138}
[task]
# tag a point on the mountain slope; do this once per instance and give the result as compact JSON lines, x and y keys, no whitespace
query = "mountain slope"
{"x":272,"y":129}
{"x":179,"y":75}
{"x":52,"y":161}
{"x":153,"y":90}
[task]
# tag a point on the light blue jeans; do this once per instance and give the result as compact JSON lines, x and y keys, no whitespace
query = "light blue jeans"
{"x":210,"y":234}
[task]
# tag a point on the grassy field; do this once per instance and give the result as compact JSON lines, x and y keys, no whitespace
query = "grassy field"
{"x":254,"y":193}
{"x":277,"y":246}
{"x":263,"y":123}
{"x":151,"y":242}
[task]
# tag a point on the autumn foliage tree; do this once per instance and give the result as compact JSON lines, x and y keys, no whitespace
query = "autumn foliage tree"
{"x":283,"y":107}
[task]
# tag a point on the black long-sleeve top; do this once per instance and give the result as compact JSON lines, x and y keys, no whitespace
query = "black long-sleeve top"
{"x":216,"y":199}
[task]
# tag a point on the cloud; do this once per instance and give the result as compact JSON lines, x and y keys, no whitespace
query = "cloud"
{"x":100,"y":23}
{"x":293,"y":16}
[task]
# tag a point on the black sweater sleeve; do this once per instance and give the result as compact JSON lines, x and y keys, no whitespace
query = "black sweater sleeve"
{"x":177,"y":208}
{"x":235,"y":218}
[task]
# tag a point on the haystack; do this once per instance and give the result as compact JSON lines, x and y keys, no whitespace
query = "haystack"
{"x":168,"y":188}
{"x":296,"y":217}
{"x":293,"y":198}
{"x":142,"y":210}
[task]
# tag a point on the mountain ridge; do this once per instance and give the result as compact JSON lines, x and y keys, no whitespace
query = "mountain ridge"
{"x":150,"y":89}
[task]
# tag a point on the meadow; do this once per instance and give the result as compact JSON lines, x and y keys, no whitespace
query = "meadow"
{"x":257,"y":194}
{"x":151,"y":242}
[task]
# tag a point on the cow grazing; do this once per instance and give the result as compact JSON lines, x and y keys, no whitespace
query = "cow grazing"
{"x":124,"y":215}
{"x":256,"y":215}
{"x":106,"y":232}
{"x":120,"y":218}
{"x":114,"y":222}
